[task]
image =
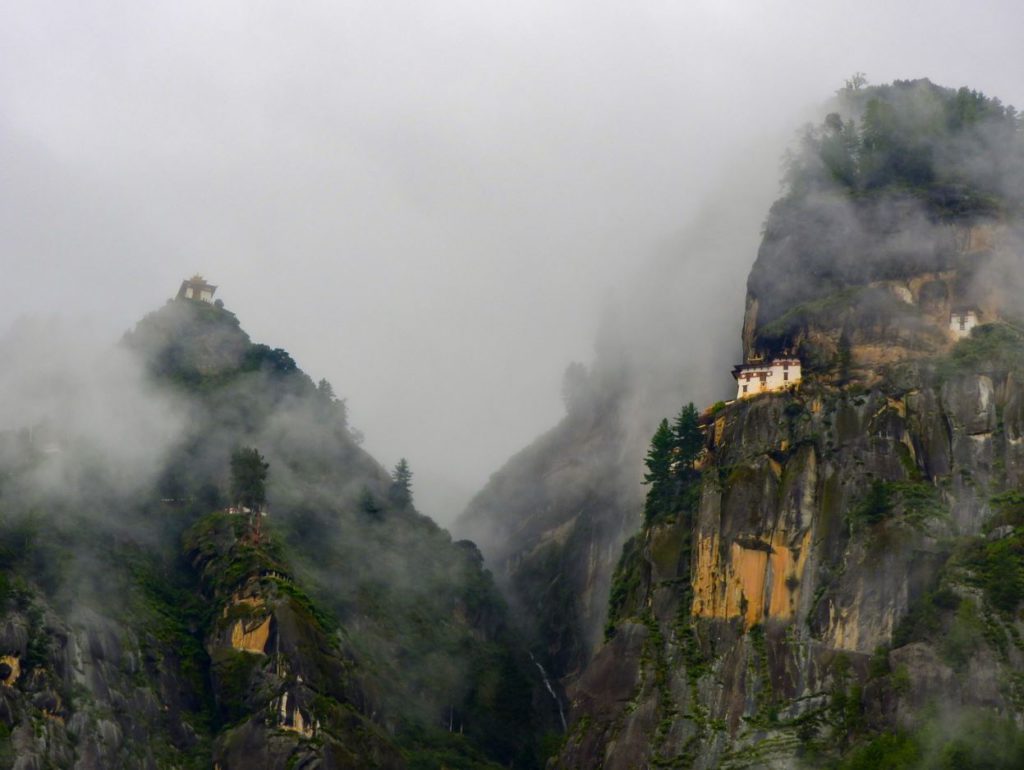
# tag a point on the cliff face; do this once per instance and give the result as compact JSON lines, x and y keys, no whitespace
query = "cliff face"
{"x":787,"y":588}
{"x":898,"y":303}
{"x":843,"y":584}
{"x":83,"y":689}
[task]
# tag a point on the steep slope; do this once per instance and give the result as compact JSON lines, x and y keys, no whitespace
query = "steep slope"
{"x":151,"y":629}
{"x":825,"y":520}
{"x":841,"y":584}
{"x":553,"y":522}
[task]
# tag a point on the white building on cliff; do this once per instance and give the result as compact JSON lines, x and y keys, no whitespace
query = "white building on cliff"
{"x":962,"y":320}
{"x":766,"y":376}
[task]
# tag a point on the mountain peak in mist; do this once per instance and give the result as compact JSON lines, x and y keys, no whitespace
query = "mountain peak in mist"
{"x":347,"y":631}
{"x":896,"y":212}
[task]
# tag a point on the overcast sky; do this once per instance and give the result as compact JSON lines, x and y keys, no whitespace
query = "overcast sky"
{"x":428,"y":203}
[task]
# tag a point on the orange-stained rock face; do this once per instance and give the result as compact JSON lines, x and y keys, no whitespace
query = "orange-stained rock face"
{"x":719,"y":430}
{"x":11,"y":669}
{"x":755,"y":583}
{"x":250,"y":637}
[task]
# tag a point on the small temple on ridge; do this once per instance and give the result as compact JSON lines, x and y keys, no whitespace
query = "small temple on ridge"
{"x":196,"y":287}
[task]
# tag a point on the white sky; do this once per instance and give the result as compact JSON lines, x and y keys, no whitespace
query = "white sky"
{"x":426,"y":202}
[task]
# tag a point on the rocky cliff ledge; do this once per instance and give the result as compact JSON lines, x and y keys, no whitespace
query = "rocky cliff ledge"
{"x":850,"y":546}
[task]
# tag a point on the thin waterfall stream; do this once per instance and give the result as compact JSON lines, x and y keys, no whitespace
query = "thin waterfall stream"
{"x":547,"y":684}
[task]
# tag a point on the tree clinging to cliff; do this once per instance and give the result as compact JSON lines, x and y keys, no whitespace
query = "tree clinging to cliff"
{"x":687,"y":436}
{"x":249,"y":478}
{"x":401,"y":484}
{"x":659,"y":470}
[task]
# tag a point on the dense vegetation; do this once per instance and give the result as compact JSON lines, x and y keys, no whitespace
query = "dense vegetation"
{"x":970,"y":741}
{"x":960,"y":151}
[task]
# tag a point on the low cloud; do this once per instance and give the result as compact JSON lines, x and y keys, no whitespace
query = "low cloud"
{"x":77,"y":407}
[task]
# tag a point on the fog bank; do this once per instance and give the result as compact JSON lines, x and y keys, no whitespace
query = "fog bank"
{"x":427,"y":203}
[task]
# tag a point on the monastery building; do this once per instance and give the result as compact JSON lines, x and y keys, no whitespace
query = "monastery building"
{"x":766,"y":376}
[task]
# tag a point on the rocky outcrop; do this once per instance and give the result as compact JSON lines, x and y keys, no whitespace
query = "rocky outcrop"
{"x":250,"y":631}
{"x":279,"y":675}
{"x":860,"y":328}
{"x":824,"y":521}
{"x":92,"y":693}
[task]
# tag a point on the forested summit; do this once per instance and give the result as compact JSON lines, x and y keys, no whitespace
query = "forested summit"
{"x":959,"y":151}
{"x":910,"y":185}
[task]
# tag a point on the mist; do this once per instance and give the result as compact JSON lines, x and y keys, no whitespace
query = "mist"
{"x":81,"y":412}
{"x":434,"y":204}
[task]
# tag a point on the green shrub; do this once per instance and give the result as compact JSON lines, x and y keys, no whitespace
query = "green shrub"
{"x":998,"y":568}
{"x":1008,"y":509}
{"x":963,"y":638}
{"x":992,"y":349}
{"x":233,"y":670}
{"x":625,"y":582}
{"x":916,"y":501}
{"x":888,"y":751}
{"x":875,"y":506}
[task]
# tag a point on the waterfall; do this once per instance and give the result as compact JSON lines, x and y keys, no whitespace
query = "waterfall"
{"x":547,"y":684}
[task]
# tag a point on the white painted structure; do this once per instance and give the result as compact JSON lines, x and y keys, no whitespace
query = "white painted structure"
{"x":766,"y":376}
{"x":239,"y":510}
{"x":962,"y":321}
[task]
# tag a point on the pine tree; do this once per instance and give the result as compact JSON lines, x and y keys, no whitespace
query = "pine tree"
{"x":368,"y":504}
{"x":659,"y":471}
{"x":688,"y":441}
{"x":401,"y":485}
{"x":330,"y":403}
{"x":325,"y":390}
